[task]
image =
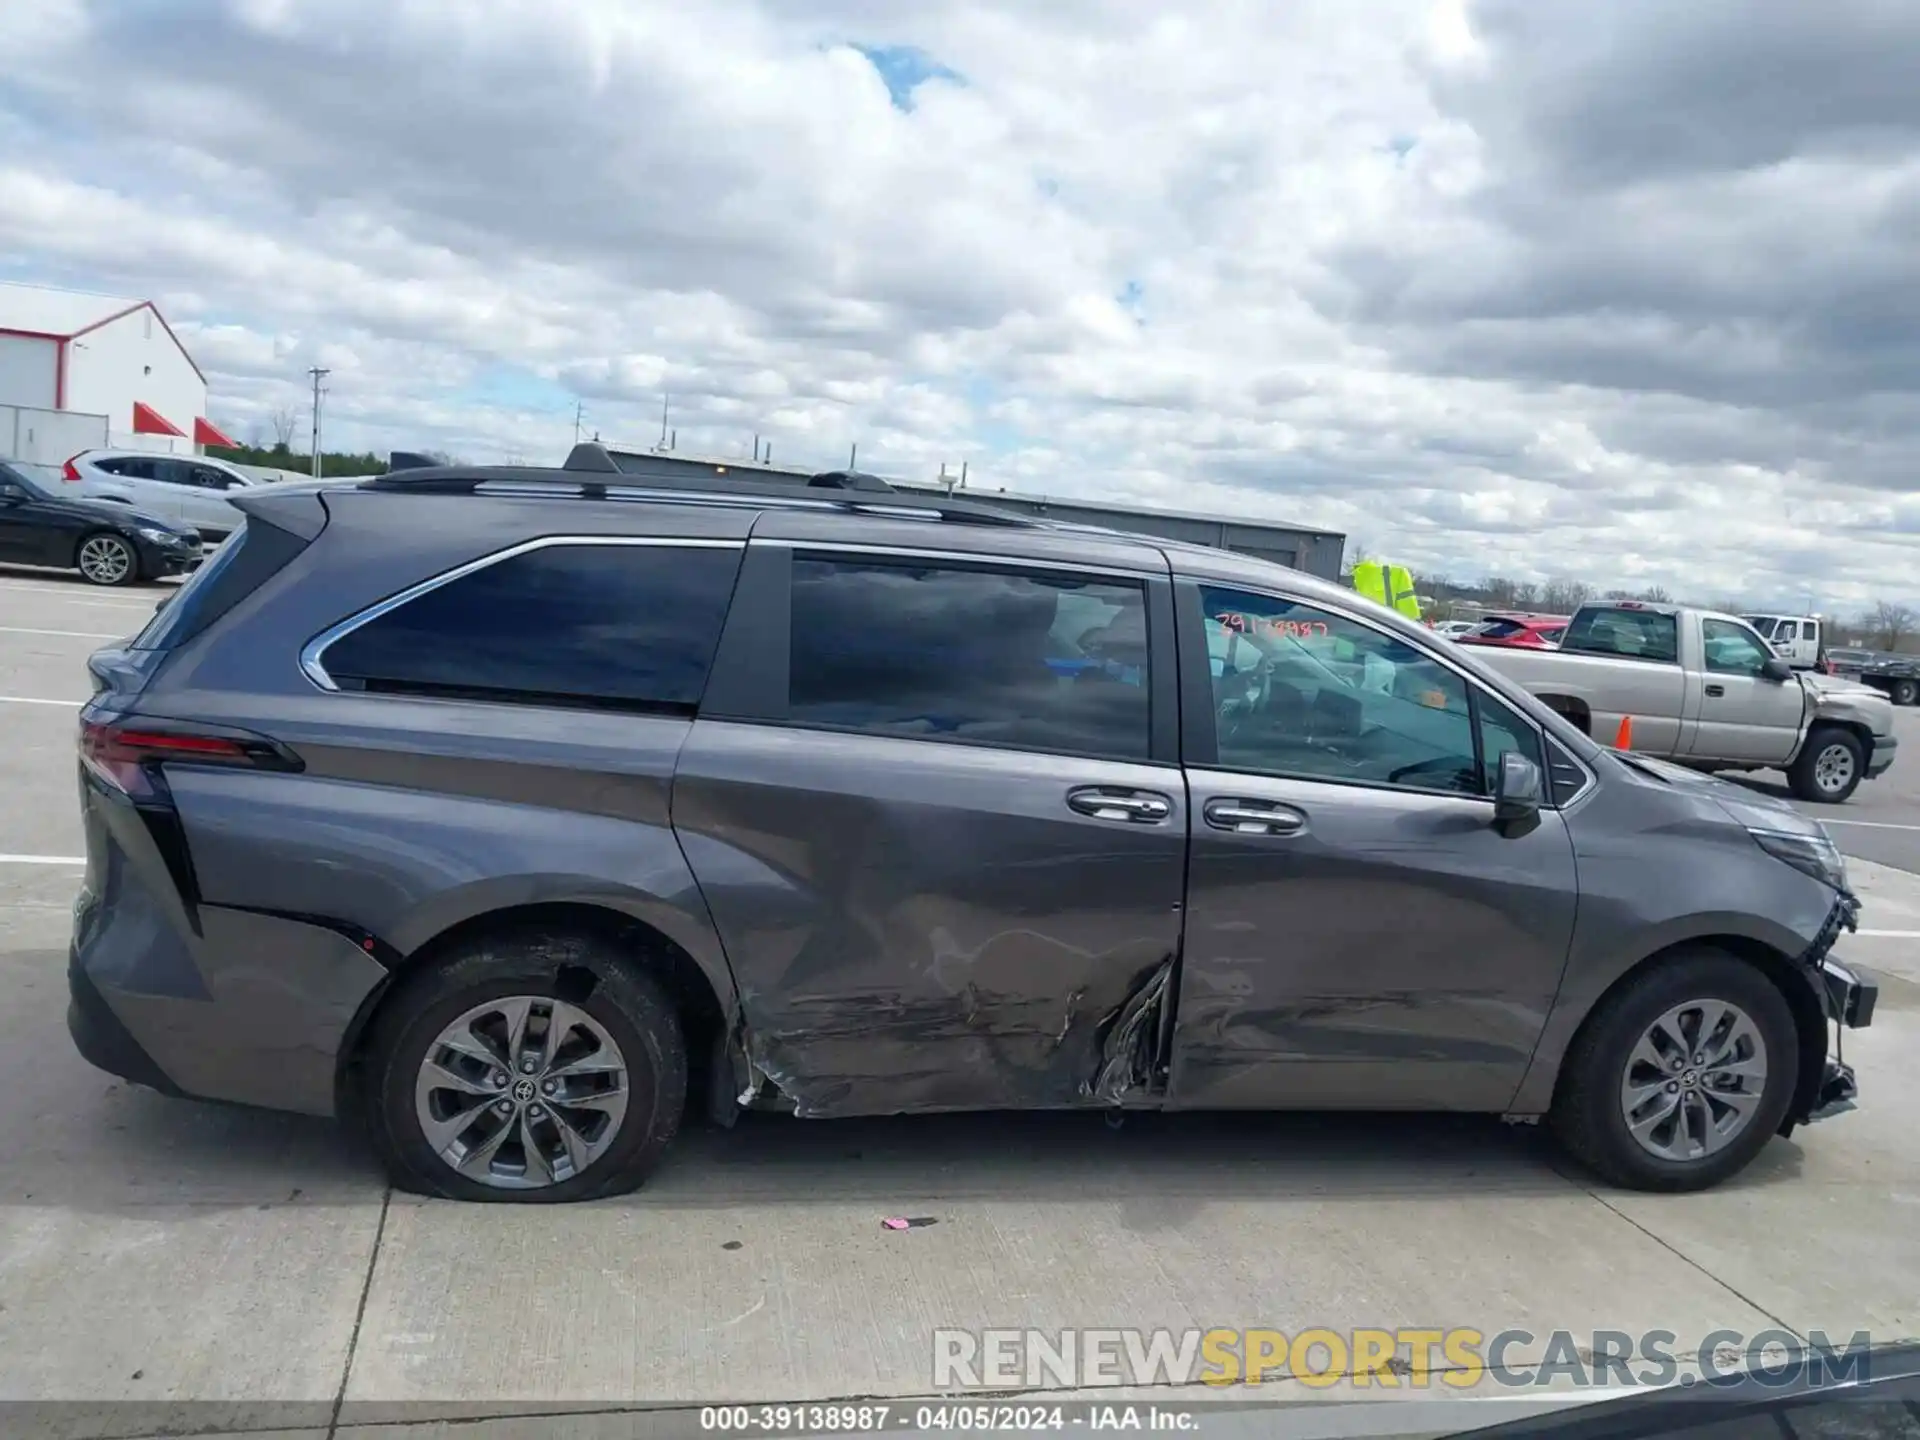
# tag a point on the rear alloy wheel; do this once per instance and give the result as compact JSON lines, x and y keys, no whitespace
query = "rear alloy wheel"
{"x":107,"y":559}
{"x":1829,"y":766}
{"x":533,"y":1068}
{"x":521,"y":1092}
{"x":1906,"y":692}
{"x":1680,"y":1078}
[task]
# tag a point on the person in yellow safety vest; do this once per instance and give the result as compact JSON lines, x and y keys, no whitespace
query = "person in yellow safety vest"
{"x":1388,"y":585}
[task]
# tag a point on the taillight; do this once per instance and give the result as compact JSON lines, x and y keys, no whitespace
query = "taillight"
{"x":127,"y":755}
{"x":68,"y":471}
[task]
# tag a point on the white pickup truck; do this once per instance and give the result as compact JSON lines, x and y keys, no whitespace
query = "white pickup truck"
{"x":1705,"y":690}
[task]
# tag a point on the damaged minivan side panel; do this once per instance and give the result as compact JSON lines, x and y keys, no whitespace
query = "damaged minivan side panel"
{"x":894,"y":803}
{"x":924,"y":927}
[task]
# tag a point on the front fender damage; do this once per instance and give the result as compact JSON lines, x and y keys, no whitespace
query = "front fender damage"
{"x":1846,"y":998}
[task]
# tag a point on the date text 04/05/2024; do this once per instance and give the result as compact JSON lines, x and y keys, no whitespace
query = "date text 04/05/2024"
{"x":964,"y":1416}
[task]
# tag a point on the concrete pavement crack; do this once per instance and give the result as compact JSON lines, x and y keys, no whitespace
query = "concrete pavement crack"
{"x":360,"y":1313}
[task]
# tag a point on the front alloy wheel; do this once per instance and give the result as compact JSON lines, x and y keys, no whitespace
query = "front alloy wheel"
{"x":1695,"y":1080}
{"x":1829,"y":766}
{"x":1681,"y":1074}
{"x":106,"y":559}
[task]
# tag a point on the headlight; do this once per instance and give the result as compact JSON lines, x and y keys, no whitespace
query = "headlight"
{"x":153,"y":536}
{"x":1814,"y":855}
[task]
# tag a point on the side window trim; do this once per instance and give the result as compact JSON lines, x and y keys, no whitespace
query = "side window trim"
{"x":1200,"y":740}
{"x":312,"y":654}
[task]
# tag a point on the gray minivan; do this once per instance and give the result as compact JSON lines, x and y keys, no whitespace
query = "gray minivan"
{"x":514,"y":812}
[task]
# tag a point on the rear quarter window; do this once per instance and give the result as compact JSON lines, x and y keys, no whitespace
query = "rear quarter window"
{"x":597,"y":626}
{"x":1630,"y":634}
{"x":249,"y":557}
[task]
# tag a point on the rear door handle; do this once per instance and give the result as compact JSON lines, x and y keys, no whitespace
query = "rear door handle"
{"x":1140,"y":807}
{"x":1254,"y":817}
{"x":1716,"y":691}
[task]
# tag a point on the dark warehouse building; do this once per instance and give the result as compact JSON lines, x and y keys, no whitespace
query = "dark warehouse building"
{"x":1318,"y":552}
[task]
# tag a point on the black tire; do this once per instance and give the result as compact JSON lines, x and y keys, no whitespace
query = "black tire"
{"x":1905,"y":692}
{"x":587,"y":974}
{"x":1588,"y":1117}
{"x":1803,"y":775}
{"x":107,"y":540}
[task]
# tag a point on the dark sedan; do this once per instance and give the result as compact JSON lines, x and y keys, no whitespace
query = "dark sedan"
{"x":108,"y":543}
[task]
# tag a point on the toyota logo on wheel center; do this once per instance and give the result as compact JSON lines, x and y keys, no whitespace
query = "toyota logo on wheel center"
{"x":523,"y":1090}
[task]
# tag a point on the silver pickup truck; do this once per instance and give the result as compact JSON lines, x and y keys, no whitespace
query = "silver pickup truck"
{"x":1704,"y":689}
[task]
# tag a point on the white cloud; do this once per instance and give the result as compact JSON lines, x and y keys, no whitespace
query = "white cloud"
{"x":1489,"y":282}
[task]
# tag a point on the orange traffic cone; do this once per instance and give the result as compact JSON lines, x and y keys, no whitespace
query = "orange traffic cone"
{"x":1624,"y":740}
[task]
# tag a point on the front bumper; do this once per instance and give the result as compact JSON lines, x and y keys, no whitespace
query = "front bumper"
{"x":158,"y":560}
{"x":1849,"y":995}
{"x":1881,"y":760}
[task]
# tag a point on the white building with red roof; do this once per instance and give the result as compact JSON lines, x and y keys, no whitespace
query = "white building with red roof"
{"x":103,"y":356}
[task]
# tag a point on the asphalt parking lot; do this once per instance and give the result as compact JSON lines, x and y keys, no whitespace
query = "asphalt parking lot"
{"x":176,"y":1253}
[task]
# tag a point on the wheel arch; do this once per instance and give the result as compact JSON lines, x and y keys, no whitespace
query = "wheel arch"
{"x":706,"y":1009}
{"x":1788,"y":975}
{"x":1593,"y":980}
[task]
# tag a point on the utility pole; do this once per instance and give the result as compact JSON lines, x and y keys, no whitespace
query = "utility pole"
{"x":318,"y":375}
{"x":579,"y":412}
{"x":664,"y":398}
{"x":853,"y":456}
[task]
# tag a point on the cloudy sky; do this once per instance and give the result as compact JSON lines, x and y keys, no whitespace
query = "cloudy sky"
{"x":1626,"y":290}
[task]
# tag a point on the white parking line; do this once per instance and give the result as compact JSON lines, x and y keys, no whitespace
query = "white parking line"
{"x":87,"y":596}
{"x":43,"y":859}
{"x":1869,"y":824}
{"x":1887,"y":934}
{"x":36,"y":700}
{"x":70,"y":634}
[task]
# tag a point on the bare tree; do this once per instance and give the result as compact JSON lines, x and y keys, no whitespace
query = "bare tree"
{"x":1890,"y":622}
{"x":1563,"y":597}
{"x":1656,"y":595}
{"x":285,"y":422}
{"x":1526,"y":595}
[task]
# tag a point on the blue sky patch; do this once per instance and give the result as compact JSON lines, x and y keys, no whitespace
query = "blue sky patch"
{"x":906,"y":68}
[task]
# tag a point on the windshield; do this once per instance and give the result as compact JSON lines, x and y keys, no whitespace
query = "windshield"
{"x":18,"y":473}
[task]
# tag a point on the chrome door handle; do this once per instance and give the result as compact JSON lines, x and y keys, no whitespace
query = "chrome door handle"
{"x":1253,"y":818}
{"x":1142,"y":807}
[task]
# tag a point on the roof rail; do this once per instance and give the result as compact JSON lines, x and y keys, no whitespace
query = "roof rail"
{"x":590,"y":474}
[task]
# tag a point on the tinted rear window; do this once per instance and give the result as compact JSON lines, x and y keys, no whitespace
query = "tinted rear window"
{"x":1630,"y":634}
{"x":599,"y":626}
{"x":1499,"y":629}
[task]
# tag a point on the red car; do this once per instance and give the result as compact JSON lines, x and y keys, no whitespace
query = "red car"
{"x":1521,"y":632}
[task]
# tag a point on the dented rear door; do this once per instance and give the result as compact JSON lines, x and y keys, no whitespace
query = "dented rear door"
{"x":934,"y":805}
